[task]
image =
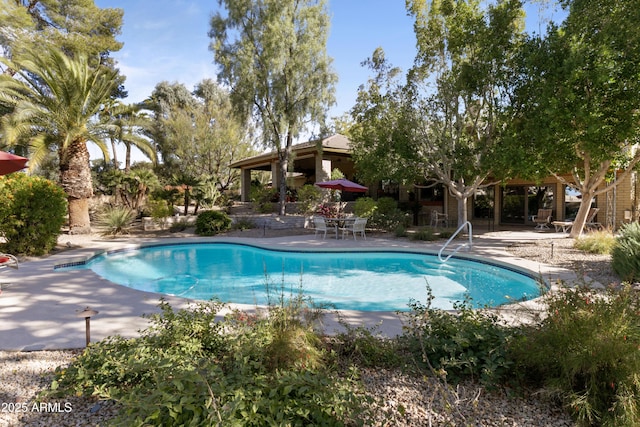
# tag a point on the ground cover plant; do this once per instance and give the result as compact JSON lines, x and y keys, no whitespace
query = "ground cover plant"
{"x":586,"y":353}
{"x":192,"y":368}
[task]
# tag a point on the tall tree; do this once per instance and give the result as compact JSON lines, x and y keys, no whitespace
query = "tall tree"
{"x":444,"y":123}
{"x":73,"y":26}
{"x":198,"y":134}
{"x":272,"y":54}
{"x":578,"y":99}
{"x":53,"y":103}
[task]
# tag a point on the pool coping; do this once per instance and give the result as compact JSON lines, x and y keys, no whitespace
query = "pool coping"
{"x":38,"y":305}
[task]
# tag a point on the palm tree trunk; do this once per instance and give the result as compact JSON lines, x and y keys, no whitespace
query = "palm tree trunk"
{"x":75,"y":178}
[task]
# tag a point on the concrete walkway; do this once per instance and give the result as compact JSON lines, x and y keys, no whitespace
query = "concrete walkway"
{"x":38,"y":306}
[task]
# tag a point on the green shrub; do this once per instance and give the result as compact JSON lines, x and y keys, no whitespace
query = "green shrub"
{"x":425,"y":234}
{"x":308,"y":198}
{"x":160,"y":210}
{"x":180,"y":224}
{"x":586,"y":352}
{"x":386,"y":206}
{"x":447,"y":233}
{"x":210,"y":223}
{"x":401,"y":231}
{"x":625,"y":254}
{"x":243,"y":224}
{"x":262,"y":197}
{"x":189,"y":368}
{"x":364,"y":207}
{"x":32,"y":213}
{"x":598,"y":242}
{"x":116,"y":220}
{"x":467,"y":344}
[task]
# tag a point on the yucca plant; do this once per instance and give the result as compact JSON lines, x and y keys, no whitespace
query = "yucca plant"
{"x":116,"y":220}
{"x":625,"y":255}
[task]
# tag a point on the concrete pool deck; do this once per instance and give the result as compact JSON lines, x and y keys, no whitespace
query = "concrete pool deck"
{"x":38,"y":306}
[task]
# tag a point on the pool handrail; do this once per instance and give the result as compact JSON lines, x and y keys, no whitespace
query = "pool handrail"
{"x":468,"y":245}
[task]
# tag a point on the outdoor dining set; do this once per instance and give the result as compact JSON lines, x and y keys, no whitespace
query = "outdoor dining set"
{"x":344,"y":225}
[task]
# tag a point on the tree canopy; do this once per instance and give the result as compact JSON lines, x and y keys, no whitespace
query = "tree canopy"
{"x":272,"y":54}
{"x":577,"y":107}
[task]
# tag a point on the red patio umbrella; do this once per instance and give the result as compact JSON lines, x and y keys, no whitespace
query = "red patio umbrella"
{"x":342,"y":184}
{"x":11,"y":163}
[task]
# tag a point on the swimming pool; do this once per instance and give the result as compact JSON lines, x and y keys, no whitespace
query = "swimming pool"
{"x":365,"y":280}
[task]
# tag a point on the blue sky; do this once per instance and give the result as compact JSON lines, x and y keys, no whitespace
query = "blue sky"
{"x":167,"y":40}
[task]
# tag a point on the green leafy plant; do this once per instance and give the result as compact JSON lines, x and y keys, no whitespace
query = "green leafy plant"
{"x":364,"y":207}
{"x":586,"y":353}
{"x":192,"y":368}
{"x":308,"y":198}
{"x":425,"y":234}
{"x":599,"y":242}
{"x":180,"y":224}
{"x":210,"y":223}
{"x":32,"y":213}
{"x":243,"y":224}
{"x":262,"y":197}
{"x":116,"y":220}
{"x":625,"y":254}
{"x":466,"y":344}
{"x":160,"y":210}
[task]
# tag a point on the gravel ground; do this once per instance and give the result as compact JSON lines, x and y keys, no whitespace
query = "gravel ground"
{"x":561,"y":252}
{"x":403,"y":400}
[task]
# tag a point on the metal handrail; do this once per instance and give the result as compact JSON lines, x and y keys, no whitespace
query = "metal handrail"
{"x":469,"y":244}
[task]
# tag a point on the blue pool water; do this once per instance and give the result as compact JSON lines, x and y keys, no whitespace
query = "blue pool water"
{"x":366,"y":281}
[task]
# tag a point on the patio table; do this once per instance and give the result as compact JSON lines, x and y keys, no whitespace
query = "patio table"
{"x":337,"y":223}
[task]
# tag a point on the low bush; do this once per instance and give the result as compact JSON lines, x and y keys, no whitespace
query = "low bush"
{"x":585,"y":352}
{"x":210,"y":223}
{"x":625,"y":254}
{"x":116,"y":220}
{"x":243,"y":224}
{"x":308,"y":198}
{"x":32,"y":213}
{"x":467,"y":344}
{"x":424,"y":234}
{"x":364,"y":207}
{"x":191,"y":368}
{"x":598,"y":242}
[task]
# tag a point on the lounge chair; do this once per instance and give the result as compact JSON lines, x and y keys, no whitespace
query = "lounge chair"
{"x":589,"y":223}
{"x":357,"y":226}
{"x":7,"y":260}
{"x":542,"y":219}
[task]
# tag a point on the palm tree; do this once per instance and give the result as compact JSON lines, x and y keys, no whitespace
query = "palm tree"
{"x":125,"y":123}
{"x":53,"y":100}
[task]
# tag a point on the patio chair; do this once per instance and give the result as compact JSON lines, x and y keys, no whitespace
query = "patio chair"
{"x":320,"y":226}
{"x":7,"y":260}
{"x":358,"y":226}
{"x":542,"y":219}
{"x":438,"y":218}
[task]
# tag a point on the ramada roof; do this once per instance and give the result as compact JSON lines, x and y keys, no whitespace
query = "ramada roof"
{"x":335,"y":144}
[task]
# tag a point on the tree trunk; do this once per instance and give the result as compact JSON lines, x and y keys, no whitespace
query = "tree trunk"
{"x":79,"y":221}
{"x":462,"y":209}
{"x":75,"y":178}
{"x":581,"y":216}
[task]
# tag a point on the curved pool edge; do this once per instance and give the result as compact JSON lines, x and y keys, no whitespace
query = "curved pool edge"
{"x":538,"y":277}
{"x":37,"y":306}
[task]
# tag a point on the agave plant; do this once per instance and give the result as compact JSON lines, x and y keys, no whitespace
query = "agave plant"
{"x":116,"y":220}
